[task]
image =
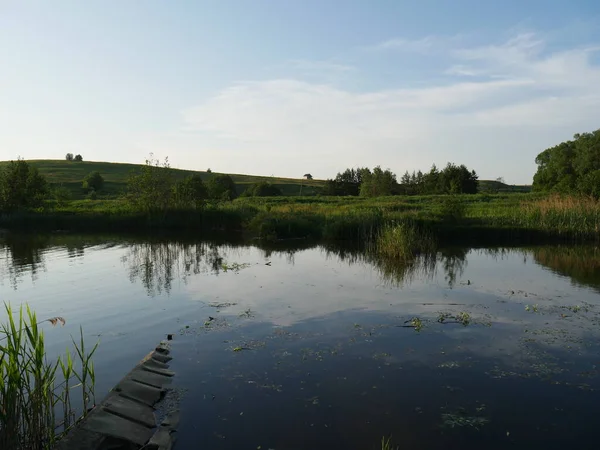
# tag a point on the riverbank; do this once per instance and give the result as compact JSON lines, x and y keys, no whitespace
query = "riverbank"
{"x":481,"y":218}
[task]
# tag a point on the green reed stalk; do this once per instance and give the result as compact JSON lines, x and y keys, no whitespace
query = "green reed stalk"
{"x":29,"y":394}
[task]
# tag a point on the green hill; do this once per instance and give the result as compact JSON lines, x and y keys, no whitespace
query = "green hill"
{"x":70,"y":174}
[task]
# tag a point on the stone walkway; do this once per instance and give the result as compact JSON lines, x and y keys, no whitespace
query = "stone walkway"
{"x":125,"y":419}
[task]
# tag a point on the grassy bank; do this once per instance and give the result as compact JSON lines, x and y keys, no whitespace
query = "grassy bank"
{"x":471,"y":219}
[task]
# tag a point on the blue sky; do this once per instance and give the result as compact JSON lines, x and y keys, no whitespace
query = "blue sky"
{"x":285,"y":87}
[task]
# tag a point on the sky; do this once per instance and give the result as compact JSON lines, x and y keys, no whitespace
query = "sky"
{"x":284,"y":88}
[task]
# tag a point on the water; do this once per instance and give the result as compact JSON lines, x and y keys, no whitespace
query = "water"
{"x":295,"y":348}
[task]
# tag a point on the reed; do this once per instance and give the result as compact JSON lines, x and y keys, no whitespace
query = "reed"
{"x":30,"y":394}
{"x":403,"y":241}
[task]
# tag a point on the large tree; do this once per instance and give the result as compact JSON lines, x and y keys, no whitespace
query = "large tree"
{"x":21,"y":186}
{"x":571,"y":166}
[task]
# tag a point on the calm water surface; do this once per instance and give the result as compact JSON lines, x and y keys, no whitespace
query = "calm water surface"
{"x":297,"y":348}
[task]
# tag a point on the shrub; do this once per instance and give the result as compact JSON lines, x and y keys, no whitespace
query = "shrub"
{"x":93,"y":181}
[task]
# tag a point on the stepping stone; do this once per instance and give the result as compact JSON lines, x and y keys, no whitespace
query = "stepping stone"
{"x":108,"y":424}
{"x":143,"y":393}
{"x":153,"y":379}
{"x":134,"y":411}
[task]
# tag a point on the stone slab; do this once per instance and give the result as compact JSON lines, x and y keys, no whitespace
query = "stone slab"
{"x":109,"y":424}
{"x":161,"y":357}
{"x":153,"y":379}
{"x":155,"y":363}
{"x":148,"y":395}
{"x":129,"y":409}
{"x":165,"y":372}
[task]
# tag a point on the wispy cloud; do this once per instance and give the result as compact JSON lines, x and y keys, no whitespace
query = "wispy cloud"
{"x":421,"y":45}
{"x":522,"y":101}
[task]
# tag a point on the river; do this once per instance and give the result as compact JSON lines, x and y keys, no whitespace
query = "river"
{"x":299,"y":346}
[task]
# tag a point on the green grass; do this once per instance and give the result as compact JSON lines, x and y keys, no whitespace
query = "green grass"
{"x":30,"y":395}
{"x":70,"y":174}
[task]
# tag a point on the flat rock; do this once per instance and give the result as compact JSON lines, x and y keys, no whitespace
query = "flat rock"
{"x":161,"y":357}
{"x":156,"y":364}
{"x":140,"y":392}
{"x":109,"y":424}
{"x":165,"y":372}
{"x":130,"y":409}
{"x":151,"y":378}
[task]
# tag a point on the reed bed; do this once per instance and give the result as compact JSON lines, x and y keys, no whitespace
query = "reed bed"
{"x":31,"y":393}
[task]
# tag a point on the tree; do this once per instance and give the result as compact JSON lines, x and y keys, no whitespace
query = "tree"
{"x":262,"y":189}
{"x":570,"y":166}
{"x":457,"y":180}
{"x":345,"y":183}
{"x":151,"y":190}
{"x":190,"y":192}
{"x":208,"y":170}
{"x":377,"y":183}
{"x":69,"y":157}
{"x":221,"y":187}
{"x":308,"y":176}
{"x":21,"y":186}
{"x":93,"y":181}
{"x":78,"y":158}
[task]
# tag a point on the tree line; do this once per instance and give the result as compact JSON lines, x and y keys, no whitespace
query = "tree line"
{"x":571,"y":167}
{"x":452,"y":179}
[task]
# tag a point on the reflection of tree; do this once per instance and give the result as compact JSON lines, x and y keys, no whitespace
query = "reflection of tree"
{"x":157,"y":264}
{"x":399,"y":273}
{"x":453,"y":261}
{"x":26,"y":253}
{"x":581,"y":264}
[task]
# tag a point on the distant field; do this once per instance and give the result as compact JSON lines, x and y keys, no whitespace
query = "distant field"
{"x":71,"y":175}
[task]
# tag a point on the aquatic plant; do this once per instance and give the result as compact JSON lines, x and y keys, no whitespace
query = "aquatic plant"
{"x":29,"y":393}
{"x":386,"y":444}
{"x":403,"y":241}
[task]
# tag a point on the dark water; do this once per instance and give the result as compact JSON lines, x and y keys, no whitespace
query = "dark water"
{"x":328,"y":348}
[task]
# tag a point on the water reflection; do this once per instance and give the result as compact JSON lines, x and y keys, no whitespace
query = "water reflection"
{"x":156,"y":264}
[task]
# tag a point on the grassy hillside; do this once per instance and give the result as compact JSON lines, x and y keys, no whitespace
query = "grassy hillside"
{"x":70,"y":174}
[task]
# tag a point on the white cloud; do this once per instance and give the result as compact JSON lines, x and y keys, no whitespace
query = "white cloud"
{"x":422,"y":45}
{"x":526,"y":101}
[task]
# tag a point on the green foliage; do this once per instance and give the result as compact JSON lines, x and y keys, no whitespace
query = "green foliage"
{"x":571,"y":167}
{"x":452,"y":208}
{"x":190,"y":192}
{"x":69,"y":157}
{"x":221,"y":187}
{"x":377,"y":183}
{"x":61,"y":195}
{"x":345,"y":183}
{"x":78,"y":158}
{"x":403,"y":241}
{"x":262,"y":189}
{"x":452,"y":179}
{"x":29,"y":393}
{"x":151,"y":190}
{"x":21,"y":186}
{"x":93,"y":181}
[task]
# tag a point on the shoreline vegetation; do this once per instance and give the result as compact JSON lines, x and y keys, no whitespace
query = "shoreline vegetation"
{"x":486,"y":218}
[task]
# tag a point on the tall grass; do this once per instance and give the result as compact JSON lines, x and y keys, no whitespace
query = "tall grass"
{"x":531,"y":218}
{"x":402,"y":241}
{"x":30,"y":394}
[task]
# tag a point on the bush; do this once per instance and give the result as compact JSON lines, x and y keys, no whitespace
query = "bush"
{"x":452,"y":209}
{"x":21,"y":186}
{"x":93,"y":181}
{"x":221,"y":187}
{"x":61,"y":194}
{"x":262,"y":189}
{"x":190,"y":192}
